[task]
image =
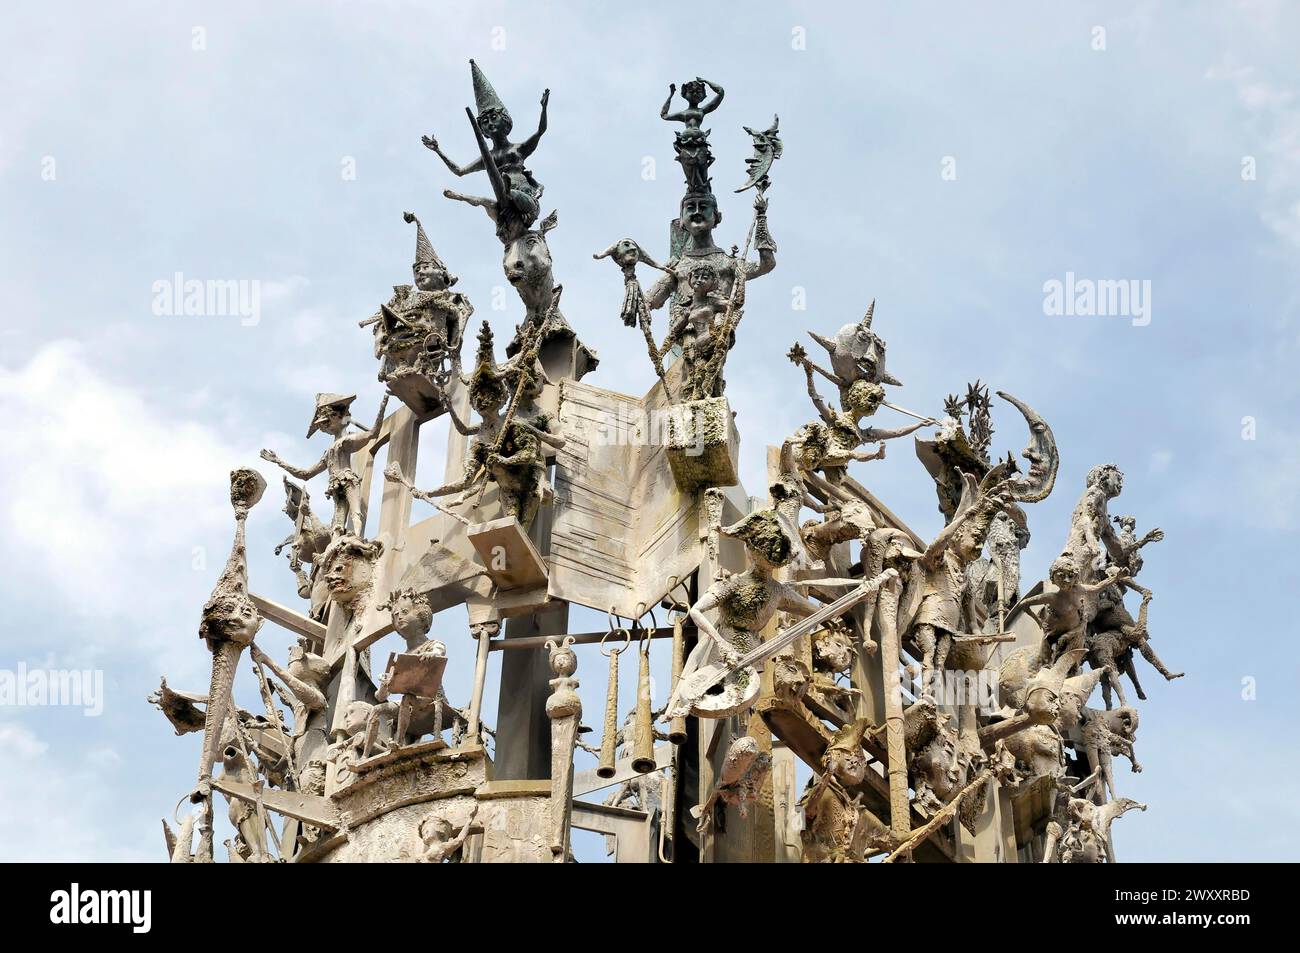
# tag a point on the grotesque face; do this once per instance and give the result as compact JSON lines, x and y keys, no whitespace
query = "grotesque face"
{"x":846,"y":766}
{"x":333,"y":420}
{"x":349,"y":571}
{"x":693,"y":92}
{"x":495,"y":123}
{"x":864,"y":347}
{"x":864,"y":398}
{"x":230,"y":619}
{"x":626,"y":252}
{"x":527,"y":260}
{"x":428,"y":276}
{"x":699,"y":214}
{"x":1107,"y":478}
{"x":834,"y":649}
{"x":411,"y":614}
{"x":486,"y":395}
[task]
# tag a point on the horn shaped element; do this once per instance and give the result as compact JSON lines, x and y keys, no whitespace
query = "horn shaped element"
{"x":866,"y":318}
{"x":1041,"y":452}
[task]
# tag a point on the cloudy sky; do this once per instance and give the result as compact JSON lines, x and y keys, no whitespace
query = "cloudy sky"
{"x":949,"y":160}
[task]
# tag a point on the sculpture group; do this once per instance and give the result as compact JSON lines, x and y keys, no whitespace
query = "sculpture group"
{"x":814,"y":626}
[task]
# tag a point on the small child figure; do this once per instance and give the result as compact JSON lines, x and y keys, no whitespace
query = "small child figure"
{"x":693,"y":91}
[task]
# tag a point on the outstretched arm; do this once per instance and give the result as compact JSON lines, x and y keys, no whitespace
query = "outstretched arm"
{"x":555,"y":440}
{"x":310,"y":696}
{"x":302,"y":473}
{"x":872,"y":433}
{"x":431,"y":144}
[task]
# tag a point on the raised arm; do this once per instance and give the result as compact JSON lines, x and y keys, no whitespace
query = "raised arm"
{"x":815,"y":397}
{"x":529,"y":145}
{"x":716,"y":101}
{"x":354,"y":442}
{"x":663,"y":113}
{"x":555,"y":440}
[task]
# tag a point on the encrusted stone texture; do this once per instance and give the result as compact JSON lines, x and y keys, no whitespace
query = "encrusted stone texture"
{"x":702,"y":444}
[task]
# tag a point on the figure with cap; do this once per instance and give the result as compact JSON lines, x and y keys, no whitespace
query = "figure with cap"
{"x":503,"y":160}
{"x":836,"y":830}
{"x":333,"y":416}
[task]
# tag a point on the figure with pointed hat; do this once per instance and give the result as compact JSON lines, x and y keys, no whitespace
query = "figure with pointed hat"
{"x":518,"y":194}
{"x":508,"y":452}
{"x":836,"y":828}
{"x":333,"y":416}
{"x":418,"y":333}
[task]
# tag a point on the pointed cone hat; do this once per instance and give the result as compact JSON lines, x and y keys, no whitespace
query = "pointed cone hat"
{"x":485,"y":97}
{"x":424,"y":251}
{"x":328,"y":400}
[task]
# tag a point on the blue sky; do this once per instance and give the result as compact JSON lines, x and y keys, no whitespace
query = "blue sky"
{"x":127,"y":155}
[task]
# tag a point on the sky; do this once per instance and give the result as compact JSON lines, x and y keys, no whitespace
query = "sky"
{"x":950,"y":160}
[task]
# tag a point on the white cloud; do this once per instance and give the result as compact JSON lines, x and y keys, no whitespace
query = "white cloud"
{"x":53,"y":811}
{"x":105,"y":492}
{"x":1273,"y":123}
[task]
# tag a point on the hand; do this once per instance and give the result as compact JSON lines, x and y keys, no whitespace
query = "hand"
{"x":430,"y":143}
{"x":672,"y":88}
{"x":1155,"y":536}
{"x":546,"y":97}
{"x":393,"y":473}
{"x":760,"y":203}
{"x":880,"y":452}
{"x":269,"y":456}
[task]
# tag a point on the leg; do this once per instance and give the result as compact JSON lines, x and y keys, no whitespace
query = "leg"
{"x":927,"y":641}
{"x":354,"y":510}
{"x":486,"y":204}
{"x":1132,"y":675}
{"x":403,"y":721}
{"x":1149,"y":654}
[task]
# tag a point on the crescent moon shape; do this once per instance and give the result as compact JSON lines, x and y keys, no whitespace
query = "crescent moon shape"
{"x":759,"y":165}
{"x":1044,"y":459}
